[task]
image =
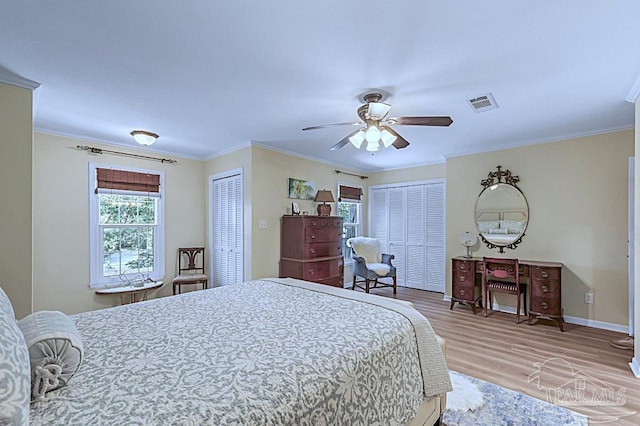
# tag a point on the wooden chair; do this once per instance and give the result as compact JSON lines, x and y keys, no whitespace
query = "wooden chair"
{"x":502,"y":276}
{"x":370,"y":264}
{"x":190,"y":268}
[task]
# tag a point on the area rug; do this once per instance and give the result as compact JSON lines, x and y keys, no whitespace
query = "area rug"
{"x":476,"y":402}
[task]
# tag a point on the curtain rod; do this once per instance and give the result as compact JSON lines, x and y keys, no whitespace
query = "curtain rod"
{"x":94,"y":150}
{"x":351,"y":174}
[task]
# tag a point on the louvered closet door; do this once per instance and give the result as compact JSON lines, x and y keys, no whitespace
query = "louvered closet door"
{"x":227,"y":230}
{"x":415,"y":218}
{"x":397,"y":232}
{"x":435,"y":234}
{"x":410,"y":223}
{"x":379,"y":219}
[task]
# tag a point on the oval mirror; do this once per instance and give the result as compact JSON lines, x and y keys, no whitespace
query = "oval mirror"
{"x":501,"y":212}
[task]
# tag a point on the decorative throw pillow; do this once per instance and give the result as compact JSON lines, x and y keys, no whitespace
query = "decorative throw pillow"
{"x":498,"y":231}
{"x":14,"y":368}
{"x":55,"y":350}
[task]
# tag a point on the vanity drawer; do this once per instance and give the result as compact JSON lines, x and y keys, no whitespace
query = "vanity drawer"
{"x":463,"y":265}
{"x":541,"y":273}
{"x":314,"y":271}
{"x":463,"y":278}
{"x":464,"y":292}
{"x":549,"y":288}
{"x":323,"y":221}
{"x":545,"y":306}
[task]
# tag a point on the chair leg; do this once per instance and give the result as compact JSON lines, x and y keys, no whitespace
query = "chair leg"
{"x":353,"y":287}
{"x":518,"y":308}
{"x":395,"y":286}
{"x":487,"y":302}
{"x":366,"y":285}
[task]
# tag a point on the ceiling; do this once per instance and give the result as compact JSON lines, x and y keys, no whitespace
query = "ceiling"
{"x":209,"y":77}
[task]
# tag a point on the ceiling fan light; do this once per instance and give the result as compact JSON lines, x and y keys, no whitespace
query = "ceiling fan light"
{"x":373,"y":146}
{"x":372,"y":135}
{"x":357,"y":139}
{"x":378,"y":110}
{"x":387,"y":138}
{"x":143,"y":137}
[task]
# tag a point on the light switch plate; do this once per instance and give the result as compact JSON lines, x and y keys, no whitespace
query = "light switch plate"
{"x":262,"y":224}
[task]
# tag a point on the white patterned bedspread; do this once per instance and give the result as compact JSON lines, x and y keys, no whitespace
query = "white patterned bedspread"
{"x":258,"y":353}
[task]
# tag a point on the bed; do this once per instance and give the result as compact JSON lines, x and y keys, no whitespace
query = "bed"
{"x":272,"y":351}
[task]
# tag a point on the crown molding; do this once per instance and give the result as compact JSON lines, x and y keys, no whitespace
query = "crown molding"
{"x":634,"y":93}
{"x":13,"y":79}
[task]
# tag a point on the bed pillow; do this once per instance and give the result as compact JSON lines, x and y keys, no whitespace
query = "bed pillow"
{"x":512,"y":226}
{"x":14,"y":368}
{"x":486,"y":226}
{"x":55,"y":350}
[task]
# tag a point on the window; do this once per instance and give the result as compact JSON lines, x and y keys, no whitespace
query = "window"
{"x":126,"y":225}
{"x":349,"y":209}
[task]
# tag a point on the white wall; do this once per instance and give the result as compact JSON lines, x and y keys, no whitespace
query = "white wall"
{"x":577,"y":190}
{"x":61,"y":220}
{"x":16,"y":150}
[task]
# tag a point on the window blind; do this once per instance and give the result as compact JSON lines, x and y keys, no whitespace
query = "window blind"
{"x":126,"y":180}
{"x":349,"y":193}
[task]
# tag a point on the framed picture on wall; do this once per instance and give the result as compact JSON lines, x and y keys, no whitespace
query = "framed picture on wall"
{"x":301,"y":189}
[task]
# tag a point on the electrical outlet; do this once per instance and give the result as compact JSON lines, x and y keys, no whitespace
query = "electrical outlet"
{"x":588,"y":297}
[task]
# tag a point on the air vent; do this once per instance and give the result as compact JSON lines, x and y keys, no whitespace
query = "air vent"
{"x":483,"y":103}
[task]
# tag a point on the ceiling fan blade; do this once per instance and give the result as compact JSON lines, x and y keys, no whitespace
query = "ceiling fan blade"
{"x":344,"y":141}
{"x":400,"y":142}
{"x":324,"y":126}
{"x":422,"y":121}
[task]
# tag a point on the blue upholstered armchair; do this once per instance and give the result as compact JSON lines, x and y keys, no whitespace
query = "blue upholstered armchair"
{"x":370,"y":264}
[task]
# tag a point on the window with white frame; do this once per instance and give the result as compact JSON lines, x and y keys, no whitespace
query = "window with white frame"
{"x":350,"y":210}
{"x":126,"y":225}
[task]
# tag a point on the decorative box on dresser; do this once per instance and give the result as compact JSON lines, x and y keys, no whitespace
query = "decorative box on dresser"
{"x":465,"y":285}
{"x":311,"y":249}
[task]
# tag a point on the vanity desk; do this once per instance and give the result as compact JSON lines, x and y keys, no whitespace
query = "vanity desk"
{"x":543,"y":280}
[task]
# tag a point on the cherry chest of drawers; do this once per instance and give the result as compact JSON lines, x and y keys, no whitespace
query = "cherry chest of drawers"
{"x":311,"y":249}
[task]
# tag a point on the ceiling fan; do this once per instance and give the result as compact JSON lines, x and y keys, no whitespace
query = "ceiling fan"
{"x":376,"y":127}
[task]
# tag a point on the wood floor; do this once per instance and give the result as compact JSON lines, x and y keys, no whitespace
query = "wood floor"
{"x":578,"y":366}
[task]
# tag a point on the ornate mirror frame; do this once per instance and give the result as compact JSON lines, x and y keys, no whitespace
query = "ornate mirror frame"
{"x":497,"y":179}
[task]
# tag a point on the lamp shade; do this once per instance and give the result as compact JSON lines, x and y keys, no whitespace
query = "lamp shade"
{"x":324,"y":196}
{"x":143,"y":137}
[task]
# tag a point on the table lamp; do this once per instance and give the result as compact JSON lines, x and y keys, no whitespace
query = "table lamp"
{"x":324,"y":196}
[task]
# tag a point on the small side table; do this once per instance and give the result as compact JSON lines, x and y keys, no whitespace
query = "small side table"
{"x":131,"y":293}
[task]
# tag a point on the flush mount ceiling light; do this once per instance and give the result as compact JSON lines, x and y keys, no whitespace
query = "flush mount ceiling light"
{"x":143,"y":137}
{"x":377,"y":131}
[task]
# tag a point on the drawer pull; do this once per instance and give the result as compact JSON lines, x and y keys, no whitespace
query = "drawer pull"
{"x":544,"y":289}
{"x":311,"y":271}
{"x":461,"y":292}
{"x":545,"y":305}
{"x":462,"y":278}
{"x":313,"y":236}
{"x":461,"y":266}
{"x":313,"y":222}
{"x":544,"y":274}
{"x":312,"y":250}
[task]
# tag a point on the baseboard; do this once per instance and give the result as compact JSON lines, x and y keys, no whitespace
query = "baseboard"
{"x":597,"y":324}
{"x":573,"y":320}
{"x":635,"y":367}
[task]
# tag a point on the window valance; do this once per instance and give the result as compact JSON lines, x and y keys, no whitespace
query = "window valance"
{"x":349,"y":193}
{"x":126,"y":180}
